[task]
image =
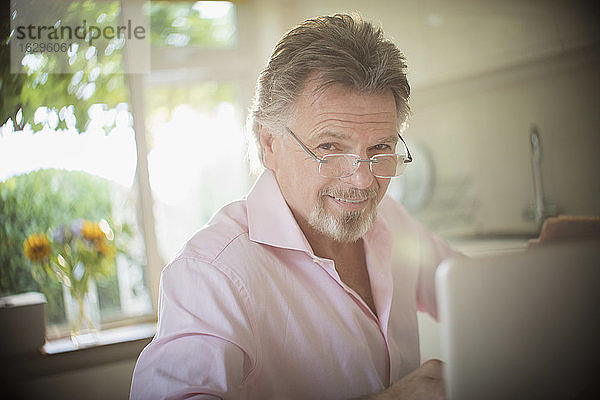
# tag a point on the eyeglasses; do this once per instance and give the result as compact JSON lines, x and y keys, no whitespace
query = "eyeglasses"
{"x":345,"y":165}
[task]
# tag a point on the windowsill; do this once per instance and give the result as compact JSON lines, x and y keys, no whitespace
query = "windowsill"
{"x":110,"y":336}
{"x":59,"y":356}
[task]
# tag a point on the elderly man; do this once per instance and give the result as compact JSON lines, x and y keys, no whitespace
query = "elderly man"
{"x":309,"y":287}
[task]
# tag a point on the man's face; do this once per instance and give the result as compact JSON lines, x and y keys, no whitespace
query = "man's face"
{"x":333,"y":121}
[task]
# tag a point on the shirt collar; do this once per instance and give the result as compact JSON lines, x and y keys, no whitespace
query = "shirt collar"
{"x":270,"y":220}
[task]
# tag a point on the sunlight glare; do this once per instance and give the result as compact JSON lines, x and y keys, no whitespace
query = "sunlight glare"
{"x":213,"y":9}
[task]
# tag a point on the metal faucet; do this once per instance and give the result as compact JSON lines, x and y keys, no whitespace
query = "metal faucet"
{"x":541,"y":209}
{"x":536,"y":166}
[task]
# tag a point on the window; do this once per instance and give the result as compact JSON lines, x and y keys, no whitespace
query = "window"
{"x":208,"y":24}
{"x":68,"y":154}
{"x":73,"y":146}
{"x":194,"y":117}
{"x":195,"y":144}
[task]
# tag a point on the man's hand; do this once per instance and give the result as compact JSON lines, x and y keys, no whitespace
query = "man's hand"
{"x":424,"y":383}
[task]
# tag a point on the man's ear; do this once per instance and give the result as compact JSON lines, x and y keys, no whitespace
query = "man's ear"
{"x":268,"y":144}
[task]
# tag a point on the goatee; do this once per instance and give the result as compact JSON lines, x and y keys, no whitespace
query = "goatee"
{"x":350,"y":225}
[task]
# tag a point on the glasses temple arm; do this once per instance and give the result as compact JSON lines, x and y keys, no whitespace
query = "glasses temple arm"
{"x":306,"y":149}
{"x":408,"y":156}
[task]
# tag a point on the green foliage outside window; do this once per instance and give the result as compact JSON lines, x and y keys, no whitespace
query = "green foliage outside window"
{"x":40,"y":200}
{"x":208,"y":24}
{"x":97,"y":78}
{"x":203,"y":97}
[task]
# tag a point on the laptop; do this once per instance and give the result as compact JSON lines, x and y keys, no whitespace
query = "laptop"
{"x":522,"y":326}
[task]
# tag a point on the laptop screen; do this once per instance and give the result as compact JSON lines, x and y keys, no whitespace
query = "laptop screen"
{"x":522,"y":326}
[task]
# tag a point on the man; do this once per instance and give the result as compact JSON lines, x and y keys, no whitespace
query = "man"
{"x":309,"y":287}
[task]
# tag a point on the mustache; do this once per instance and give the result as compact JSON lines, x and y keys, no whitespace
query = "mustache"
{"x":349,"y":193}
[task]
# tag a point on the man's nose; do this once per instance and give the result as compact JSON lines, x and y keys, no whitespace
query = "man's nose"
{"x":362,"y":178}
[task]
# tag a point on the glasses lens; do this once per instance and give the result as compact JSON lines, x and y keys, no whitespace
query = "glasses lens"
{"x":343,"y":165}
{"x":338,"y":165}
{"x":388,"y":165}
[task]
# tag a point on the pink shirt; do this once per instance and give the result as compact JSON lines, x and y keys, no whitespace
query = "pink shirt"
{"x":247,"y":311}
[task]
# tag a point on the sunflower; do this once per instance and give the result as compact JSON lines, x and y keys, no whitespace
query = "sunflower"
{"x":92,"y":232}
{"x":37,"y":247}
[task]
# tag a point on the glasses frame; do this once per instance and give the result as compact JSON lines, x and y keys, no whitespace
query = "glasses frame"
{"x":371,"y":160}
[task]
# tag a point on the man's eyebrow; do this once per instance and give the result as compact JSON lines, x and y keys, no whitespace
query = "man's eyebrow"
{"x":333,"y":135}
{"x":389,"y":139}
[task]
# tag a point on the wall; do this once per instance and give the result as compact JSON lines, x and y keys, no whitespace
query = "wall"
{"x":106,"y":381}
{"x":63,"y":372}
{"x":478,"y":131}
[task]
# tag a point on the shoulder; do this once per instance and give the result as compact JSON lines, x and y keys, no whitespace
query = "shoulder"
{"x":222,"y":247}
{"x":197,"y":276}
{"x":228,"y":225}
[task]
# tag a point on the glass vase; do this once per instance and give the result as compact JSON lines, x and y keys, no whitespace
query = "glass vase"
{"x":83,"y":314}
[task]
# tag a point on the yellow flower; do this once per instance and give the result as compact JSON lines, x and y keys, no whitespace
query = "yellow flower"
{"x":37,"y":247}
{"x":104,"y":249}
{"x":92,"y":231}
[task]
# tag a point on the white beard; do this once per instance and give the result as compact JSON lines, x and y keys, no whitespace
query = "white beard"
{"x":350,"y":226}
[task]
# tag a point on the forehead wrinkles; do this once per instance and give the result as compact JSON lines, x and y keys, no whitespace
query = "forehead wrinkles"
{"x":337,"y":106}
{"x":366,"y":117}
{"x":376,"y":121}
{"x":334,"y":98}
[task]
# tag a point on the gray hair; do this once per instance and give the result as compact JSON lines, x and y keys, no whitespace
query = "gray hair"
{"x":340,"y":49}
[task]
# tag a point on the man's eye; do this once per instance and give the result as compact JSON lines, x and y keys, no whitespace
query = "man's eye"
{"x":382,"y":147}
{"x":326,"y":146}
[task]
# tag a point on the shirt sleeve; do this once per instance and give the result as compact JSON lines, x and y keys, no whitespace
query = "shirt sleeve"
{"x":433,"y":251}
{"x":419,"y":249}
{"x":204,"y":347}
